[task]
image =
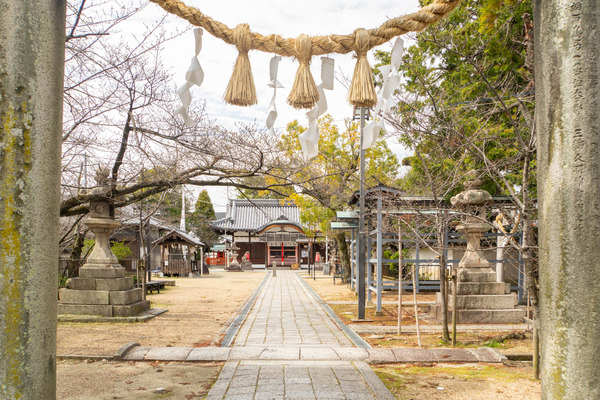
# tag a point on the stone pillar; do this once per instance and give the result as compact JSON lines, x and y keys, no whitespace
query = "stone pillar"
{"x":567,"y":86}
{"x":32,"y":39}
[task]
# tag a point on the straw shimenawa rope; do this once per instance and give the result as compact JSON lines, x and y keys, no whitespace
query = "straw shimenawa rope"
{"x":304,"y":93}
{"x":241,"y":90}
{"x":301,"y":96}
{"x":362,"y":89}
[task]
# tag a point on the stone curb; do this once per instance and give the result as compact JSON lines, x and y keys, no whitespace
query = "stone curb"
{"x":134,"y":352}
{"x":142,"y":317}
{"x":124,"y":350}
{"x":380,"y":330}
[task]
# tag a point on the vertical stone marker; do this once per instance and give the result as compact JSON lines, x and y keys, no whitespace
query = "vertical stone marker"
{"x":567,"y":95}
{"x":32,"y":41}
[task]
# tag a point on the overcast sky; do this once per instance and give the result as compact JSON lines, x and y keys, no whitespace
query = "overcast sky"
{"x":289,"y":19}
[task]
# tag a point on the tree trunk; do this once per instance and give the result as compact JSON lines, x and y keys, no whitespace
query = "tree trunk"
{"x":567,"y":67}
{"x":32,"y":42}
{"x":441,"y":225}
{"x":72,"y":269}
{"x":340,"y":238}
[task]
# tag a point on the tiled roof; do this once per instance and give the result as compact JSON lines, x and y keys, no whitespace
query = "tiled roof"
{"x":250,"y":215}
{"x":182,"y":235}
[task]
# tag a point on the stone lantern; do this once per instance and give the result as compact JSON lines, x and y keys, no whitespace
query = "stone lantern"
{"x":473,"y":203}
{"x":235,"y":265}
{"x":102,"y":289}
{"x":479,"y":298}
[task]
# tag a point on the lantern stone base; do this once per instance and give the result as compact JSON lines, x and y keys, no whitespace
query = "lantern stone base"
{"x":480,"y":300}
{"x":104,"y":291}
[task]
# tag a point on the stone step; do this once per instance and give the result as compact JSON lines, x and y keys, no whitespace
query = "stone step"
{"x":101,"y":271}
{"x":470,"y":288}
{"x":484,"y":302}
{"x":476,"y":275}
{"x":481,"y":301}
{"x":125,"y":297}
{"x":131,"y":309}
{"x":86,"y":309}
{"x":87,"y":297}
{"x":508,"y":316}
{"x":100,"y":283}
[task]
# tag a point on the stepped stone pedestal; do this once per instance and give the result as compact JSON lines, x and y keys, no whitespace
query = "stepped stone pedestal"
{"x":102,"y":288}
{"x":479,"y":298}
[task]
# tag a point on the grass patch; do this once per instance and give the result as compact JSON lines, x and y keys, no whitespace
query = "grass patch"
{"x":406,"y":374}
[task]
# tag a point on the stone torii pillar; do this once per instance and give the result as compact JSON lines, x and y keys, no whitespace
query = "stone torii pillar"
{"x":32,"y":43}
{"x":567,"y":95}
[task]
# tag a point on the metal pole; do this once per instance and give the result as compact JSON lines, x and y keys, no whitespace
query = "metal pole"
{"x":379,"y":311}
{"x":369,"y":266}
{"x":361,"y":225}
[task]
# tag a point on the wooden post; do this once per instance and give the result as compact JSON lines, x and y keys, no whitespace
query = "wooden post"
{"x":416,"y":305}
{"x":399,"y":277}
{"x":454,"y":308}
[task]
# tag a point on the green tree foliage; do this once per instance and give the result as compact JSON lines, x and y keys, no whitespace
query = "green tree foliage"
{"x":204,"y":206}
{"x":199,"y":220}
{"x":467,"y":103}
{"x":467,"y":99}
{"x":326,"y":182}
{"x":120,"y":249}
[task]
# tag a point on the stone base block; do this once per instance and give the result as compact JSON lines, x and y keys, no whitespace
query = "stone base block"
{"x":514,"y":316}
{"x":114,"y":283}
{"x":481,"y":302}
{"x":100,"y":283}
{"x":86,"y":309}
{"x":87,"y":297}
{"x":476,"y":275}
{"x":101,"y":271}
{"x":470,"y":288}
{"x":131,"y":309}
{"x":81,"y":283}
{"x":509,"y":316}
{"x":125,"y":297}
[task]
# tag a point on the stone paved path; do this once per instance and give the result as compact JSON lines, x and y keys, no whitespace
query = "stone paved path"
{"x":288,"y":320}
{"x":290,"y":346}
{"x":286,"y":314}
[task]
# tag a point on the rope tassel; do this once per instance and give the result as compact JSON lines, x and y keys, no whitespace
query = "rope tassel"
{"x":304,"y":93}
{"x":240,"y":89}
{"x":362,"y":89}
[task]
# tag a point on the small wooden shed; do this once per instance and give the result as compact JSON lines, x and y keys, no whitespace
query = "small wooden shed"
{"x":178,"y":254}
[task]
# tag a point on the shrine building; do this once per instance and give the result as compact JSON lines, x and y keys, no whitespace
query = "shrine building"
{"x":267,"y":231}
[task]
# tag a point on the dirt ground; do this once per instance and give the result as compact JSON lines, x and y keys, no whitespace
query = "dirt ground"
{"x":513,"y":380}
{"x":199,"y":308}
{"x":506,"y":342}
{"x":98,"y":380}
